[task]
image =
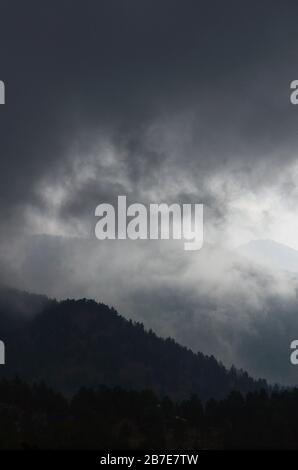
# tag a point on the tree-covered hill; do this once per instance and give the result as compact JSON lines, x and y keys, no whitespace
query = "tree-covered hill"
{"x":75,"y":343}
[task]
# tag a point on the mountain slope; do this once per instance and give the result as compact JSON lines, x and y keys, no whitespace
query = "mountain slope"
{"x":271,"y":253}
{"x":70,"y":344}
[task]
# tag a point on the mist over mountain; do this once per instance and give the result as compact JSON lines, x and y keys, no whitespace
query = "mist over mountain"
{"x":271,"y":254}
{"x":70,"y":344}
{"x":217,"y":301}
{"x":161,"y":102}
{"x":175,"y":102}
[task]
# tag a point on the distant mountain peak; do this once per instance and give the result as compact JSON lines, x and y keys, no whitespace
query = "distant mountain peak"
{"x":271,"y":253}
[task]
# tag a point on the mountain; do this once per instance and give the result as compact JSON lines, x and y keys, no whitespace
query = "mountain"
{"x":74,"y":343}
{"x":272,"y":254}
{"x":215,"y":300}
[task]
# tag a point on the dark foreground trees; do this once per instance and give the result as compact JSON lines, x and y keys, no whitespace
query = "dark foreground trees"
{"x":35,"y":417}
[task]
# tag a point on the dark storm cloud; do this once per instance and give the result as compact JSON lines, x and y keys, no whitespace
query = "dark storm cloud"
{"x":77,"y":70}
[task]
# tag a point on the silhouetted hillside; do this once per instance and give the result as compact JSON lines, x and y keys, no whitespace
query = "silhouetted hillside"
{"x":71,"y":344}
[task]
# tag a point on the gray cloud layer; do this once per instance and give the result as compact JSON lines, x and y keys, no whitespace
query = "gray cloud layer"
{"x":193,"y":87}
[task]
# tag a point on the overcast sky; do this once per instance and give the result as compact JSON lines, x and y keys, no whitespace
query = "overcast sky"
{"x":163,"y":101}
{"x":153,"y":99}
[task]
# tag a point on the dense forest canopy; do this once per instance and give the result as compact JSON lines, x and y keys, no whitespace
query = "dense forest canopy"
{"x":35,"y":417}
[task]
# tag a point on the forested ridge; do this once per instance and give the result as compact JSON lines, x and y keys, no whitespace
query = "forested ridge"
{"x":76,"y":343}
